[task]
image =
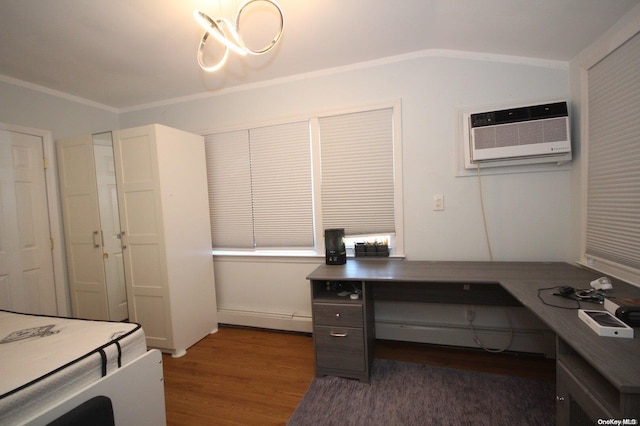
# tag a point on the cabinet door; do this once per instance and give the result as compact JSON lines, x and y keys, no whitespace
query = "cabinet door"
{"x":580,"y":403}
{"x":110,"y":227}
{"x":79,"y":193}
{"x":142,"y":233}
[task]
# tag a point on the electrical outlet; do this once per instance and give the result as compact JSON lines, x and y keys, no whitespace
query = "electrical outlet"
{"x":438,"y":202}
{"x":471,"y":313}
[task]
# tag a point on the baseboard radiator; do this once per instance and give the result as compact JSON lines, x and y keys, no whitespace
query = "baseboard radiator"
{"x":269,"y":320}
{"x":523,"y":340}
{"x":495,"y":338}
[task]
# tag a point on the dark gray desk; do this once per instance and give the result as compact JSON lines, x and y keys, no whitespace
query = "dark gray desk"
{"x":597,"y":377}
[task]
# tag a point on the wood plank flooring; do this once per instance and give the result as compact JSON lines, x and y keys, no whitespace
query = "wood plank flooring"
{"x":243,"y":376}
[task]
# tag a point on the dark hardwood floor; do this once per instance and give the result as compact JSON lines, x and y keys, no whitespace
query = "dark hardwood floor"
{"x":243,"y":376}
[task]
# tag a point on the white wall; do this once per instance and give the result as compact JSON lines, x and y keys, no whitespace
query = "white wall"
{"x":528,"y":214}
{"x":62,"y":116}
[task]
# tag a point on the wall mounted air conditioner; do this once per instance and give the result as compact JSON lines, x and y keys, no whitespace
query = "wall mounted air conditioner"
{"x":523,"y":135}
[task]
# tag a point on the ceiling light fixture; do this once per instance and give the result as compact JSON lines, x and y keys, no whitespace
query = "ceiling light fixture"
{"x":227,"y":34}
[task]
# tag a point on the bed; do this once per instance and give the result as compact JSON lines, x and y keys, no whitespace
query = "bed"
{"x":64,"y":371}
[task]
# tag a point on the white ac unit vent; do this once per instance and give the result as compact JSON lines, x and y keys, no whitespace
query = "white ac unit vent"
{"x":524,"y":135}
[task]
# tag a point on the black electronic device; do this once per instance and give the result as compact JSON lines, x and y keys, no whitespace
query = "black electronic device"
{"x":625,"y":308}
{"x":565,"y":291}
{"x":335,"y":251}
{"x":629,"y":315}
{"x":588,"y":295}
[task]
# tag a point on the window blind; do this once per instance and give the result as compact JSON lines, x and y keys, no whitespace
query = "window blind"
{"x":613,"y":169}
{"x":281,"y":185}
{"x":229,"y":179}
{"x":260,"y":189}
{"x":357,"y":172}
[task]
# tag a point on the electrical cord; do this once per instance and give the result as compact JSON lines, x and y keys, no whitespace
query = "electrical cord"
{"x":355,"y":289}
{"x":544,"y":302}
{"x":577,"y":295}
{"x":486,"y":234}
{"x":476,"y":338}
{"x":484,"y":217}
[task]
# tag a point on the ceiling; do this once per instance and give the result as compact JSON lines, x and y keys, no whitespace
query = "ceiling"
{"x":128,"y":53}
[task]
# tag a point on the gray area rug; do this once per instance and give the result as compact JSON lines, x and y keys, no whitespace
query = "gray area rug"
{"x":402,"y":393}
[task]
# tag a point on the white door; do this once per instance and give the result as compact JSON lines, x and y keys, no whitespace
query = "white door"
{"x":110,"y":224}
{"x":79,"y":194}
{"x":26,"y":265}
{"x":143,"y":233}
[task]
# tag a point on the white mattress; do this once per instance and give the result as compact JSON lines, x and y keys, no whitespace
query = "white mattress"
{"x":44,"y":359}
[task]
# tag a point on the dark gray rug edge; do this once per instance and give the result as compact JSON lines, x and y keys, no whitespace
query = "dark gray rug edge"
{"x":402,"y":393}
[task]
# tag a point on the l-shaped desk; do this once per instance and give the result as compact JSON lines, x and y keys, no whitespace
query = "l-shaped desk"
{"x":596,"y":377}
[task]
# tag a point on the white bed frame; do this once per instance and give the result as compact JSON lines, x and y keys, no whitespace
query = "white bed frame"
{"x":136,"y":391}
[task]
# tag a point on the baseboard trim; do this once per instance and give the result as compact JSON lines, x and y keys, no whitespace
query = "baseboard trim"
{"x":270,"y":320}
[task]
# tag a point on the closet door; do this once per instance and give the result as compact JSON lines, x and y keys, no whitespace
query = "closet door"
{"x":81,"y":217}
{"x":26,"y":265}
{"x":142,"y":233}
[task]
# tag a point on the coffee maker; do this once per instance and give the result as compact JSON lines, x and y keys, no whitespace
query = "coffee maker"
{"x":335,"y":252}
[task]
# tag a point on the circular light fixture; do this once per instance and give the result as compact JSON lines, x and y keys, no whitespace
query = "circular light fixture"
{"x":275,"y":39}
{"x":230,"y":36}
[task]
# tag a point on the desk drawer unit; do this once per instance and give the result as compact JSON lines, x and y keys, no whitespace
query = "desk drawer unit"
{"x":338,"y":337}
{"x":343,"y":330}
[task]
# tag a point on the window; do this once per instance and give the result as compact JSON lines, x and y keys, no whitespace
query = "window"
{"x":612,"y":232}
{"x":278,"y":187}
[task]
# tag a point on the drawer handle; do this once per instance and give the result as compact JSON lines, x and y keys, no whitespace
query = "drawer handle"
{"x":336,"y":334}
{"x":338,"y":316}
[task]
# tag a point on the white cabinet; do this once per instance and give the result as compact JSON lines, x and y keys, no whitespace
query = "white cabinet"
{"x":166,"y":234}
